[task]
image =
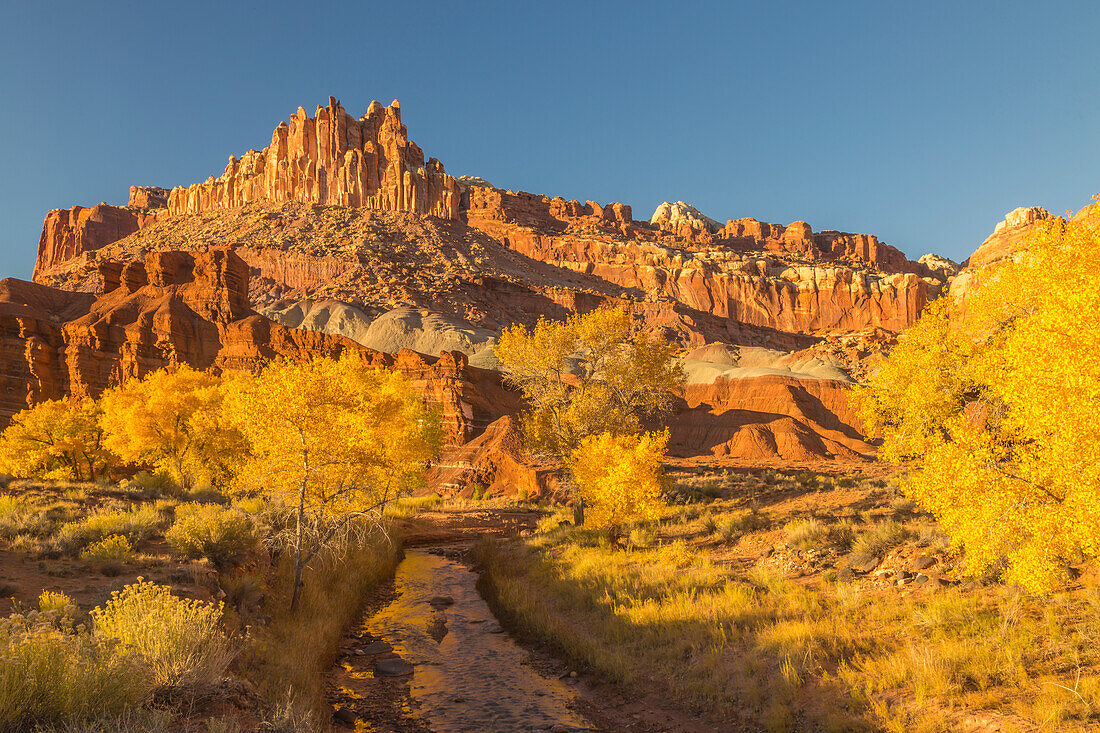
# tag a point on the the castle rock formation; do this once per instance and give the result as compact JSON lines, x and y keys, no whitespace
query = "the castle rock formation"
{"x":332,"y":158}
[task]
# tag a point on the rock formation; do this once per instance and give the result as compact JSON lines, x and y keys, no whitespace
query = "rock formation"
{"x":190,"y":308}
{"x":69,"y":233}
{"x":341,"y":228}
{"x":334,"y":159}
{"x":673,"y":216}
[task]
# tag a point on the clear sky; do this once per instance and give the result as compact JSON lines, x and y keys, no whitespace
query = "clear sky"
{"x":922,"y":123}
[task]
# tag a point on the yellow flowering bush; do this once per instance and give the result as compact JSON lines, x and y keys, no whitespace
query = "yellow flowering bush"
{"x":182,"y":639}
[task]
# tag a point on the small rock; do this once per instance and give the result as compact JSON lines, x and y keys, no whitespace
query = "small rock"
{"x":441,"y":602}
{"x":868,"y":565}
{"x":904,"y":581}
{"x":359,"y":653}
{"x":884,"y":573}
{"x":922,"y":578}
{"x":377,"y":647}
{"x":573,"y":674}
{"x":394,"y":667}
{"x":908,"y":575}
{"x":923,"y":562}
{"x":845,"y":575}
{"x":346,"y":715}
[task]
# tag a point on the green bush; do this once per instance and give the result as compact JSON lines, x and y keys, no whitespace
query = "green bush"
{"x":181,"y":639}
{"x":223,"y":536}
{"x":54,"y":674}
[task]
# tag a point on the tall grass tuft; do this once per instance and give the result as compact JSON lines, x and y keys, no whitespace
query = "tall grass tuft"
{"x":136,"y":524}
{"x":878,"y":539}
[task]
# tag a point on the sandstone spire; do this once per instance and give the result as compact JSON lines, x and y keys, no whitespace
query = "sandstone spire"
{"x":334,"y":159}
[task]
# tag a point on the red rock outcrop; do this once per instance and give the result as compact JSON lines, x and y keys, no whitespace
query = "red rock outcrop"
{"x":493,"y":464}
{"x":68,"y":233}
{"x":769,"y":418}
{"x":333,"y":159}
{"x":187,"y":308}
{"x":148,"y":197}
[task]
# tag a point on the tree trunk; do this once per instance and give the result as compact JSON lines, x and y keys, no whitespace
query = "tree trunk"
{"x":298,"y":547}
{"x":578,"y":511}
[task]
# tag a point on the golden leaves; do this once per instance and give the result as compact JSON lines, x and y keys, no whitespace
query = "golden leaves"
{"x":993,"y":403}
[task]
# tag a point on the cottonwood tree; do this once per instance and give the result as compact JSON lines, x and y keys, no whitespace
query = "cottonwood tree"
{"x":56,"y":439}
{"x":619,"y":477}
{"x":584,"y":376}
{"x":992,"y":403}
{"x":334,"y":439}
{"x":170,"y":420}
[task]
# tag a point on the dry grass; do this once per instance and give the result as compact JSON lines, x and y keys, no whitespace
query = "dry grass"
{"x":291,"y":654}
{"x":800,"y":654}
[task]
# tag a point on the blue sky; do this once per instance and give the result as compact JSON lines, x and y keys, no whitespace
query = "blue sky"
{"x":922,"y":123}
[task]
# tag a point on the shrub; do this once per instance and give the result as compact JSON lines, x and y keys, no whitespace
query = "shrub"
{"x":135,"y":524}
{"x":17,"y":517}
{"x":53,"y":673}
{"x":181,"y":639}
{"x":223,"y":536}
{"x":108,"y":554}
{"x":641,"y":538}
{"x":878,"y":539}
{"x":54,"y":601}
{"x":812,"y":534}
{"x":710,"y":524}
{"x":159,"y":483}
{"x":620,"y":476}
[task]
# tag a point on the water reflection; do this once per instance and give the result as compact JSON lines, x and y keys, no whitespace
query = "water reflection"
{"x":468,"y":675}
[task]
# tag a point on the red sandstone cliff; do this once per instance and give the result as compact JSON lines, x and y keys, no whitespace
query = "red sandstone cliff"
{"x":184,"y":308}
{"x":331,"y":158}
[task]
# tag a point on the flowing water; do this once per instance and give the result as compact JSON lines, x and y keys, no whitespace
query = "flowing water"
{"x":468,"y":675}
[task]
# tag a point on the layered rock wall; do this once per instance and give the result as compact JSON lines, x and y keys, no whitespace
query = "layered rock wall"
{"x":185,"y":308}
{"x":334,"y":159}
{"x":68,"y":233}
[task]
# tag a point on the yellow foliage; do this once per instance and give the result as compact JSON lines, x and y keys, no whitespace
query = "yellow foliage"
{"x":335,"y":440}
{"x":993,"y":404}
{"x":181,"y":639}
{"x":619,"y":477}
{"x":55,"y":439}
{"x":586,"y":375}
{"x":54,"y":601}
{"x":171,"y":420}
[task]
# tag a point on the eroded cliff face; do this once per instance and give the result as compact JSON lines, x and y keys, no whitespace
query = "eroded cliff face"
{"x":766,"y":275}
{"x":344,"y":219}
{"x":189,"y":308}
{"x":69,"y":233}
{"x":334,"y":159}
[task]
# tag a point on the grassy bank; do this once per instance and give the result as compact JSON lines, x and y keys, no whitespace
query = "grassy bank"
{"x":754,"y":614}
{"x":205,"y":642}
{"x":295,"y":650}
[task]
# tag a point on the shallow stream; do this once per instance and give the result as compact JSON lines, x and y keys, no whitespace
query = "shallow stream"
{"x":468,"y":675}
